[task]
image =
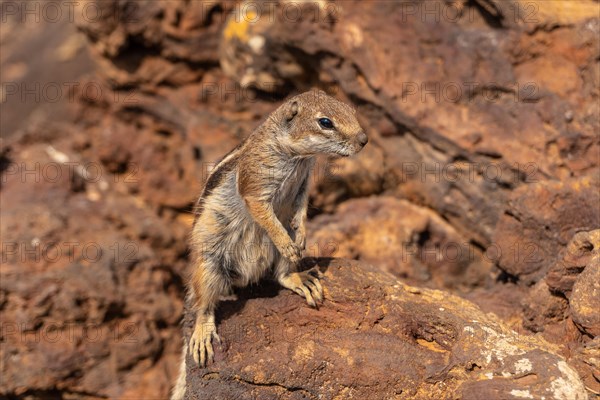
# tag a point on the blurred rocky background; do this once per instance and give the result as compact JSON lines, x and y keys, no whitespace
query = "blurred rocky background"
{"x":480,"y":179}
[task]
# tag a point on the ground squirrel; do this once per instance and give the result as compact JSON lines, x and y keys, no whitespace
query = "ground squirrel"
{"x":250,"y":218}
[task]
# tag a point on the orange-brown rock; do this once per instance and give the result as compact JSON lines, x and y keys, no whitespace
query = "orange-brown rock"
{"x":84,"y":291}
{"x":400,"y":237}
{"x":584,"y":300}
{"x":374,"y":338}
{"x":581,"y":251}
{"x":586,"y":359}
{"x":469,"y":104}
{"x":469,"y":111}
{"x":542,"y":308}
{"x":541,"y":219}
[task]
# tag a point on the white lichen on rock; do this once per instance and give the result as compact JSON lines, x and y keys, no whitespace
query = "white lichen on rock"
{"x":568,"y":386}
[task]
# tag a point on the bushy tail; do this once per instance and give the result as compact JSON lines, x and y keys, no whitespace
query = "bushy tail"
{"x":180,"y":385}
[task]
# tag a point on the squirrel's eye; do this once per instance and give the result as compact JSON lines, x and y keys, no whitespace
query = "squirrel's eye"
{"x":325,"y":123}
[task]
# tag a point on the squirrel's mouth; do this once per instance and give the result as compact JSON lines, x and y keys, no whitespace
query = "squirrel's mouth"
{"x":347,"y":151}
{"x":342,"y":153}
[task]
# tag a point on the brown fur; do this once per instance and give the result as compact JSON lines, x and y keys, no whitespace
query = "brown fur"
{"x":251,"y":216}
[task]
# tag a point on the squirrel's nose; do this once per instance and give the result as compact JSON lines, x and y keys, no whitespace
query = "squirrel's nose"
{"x":362,"y":138}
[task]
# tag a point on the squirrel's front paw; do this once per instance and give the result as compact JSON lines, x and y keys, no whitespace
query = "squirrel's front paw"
{"x":306,"y":284}
{"x":292,"y":252}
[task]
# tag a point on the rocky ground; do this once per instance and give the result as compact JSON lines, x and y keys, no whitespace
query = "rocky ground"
{"x":363,"y":343}
{"x":479,"y":186}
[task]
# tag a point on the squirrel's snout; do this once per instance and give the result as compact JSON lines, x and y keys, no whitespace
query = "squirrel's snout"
{"x":362,"y":139}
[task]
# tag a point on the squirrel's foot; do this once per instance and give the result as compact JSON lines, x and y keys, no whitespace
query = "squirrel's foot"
{"x":200,"y":345}
{"x":306,"y":284}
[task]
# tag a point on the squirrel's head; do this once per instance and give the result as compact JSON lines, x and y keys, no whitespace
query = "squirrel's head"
{"x":315,"y":123}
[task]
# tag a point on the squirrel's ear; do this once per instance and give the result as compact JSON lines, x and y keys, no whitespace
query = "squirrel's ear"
{"x":291,"y":111}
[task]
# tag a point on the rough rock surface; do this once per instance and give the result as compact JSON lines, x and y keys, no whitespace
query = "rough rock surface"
{"x":541,"y":218}
{"x":362,"y":343}
{"x":483,"y":120}
{"x":412,"y":242}
{"x":85,"y":295}
{"x":583,"y":250}
{"x":449,"y":116}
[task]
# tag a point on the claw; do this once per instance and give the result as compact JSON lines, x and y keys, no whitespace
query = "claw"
{"x":210,"y":355}
{"x":319,"y":287}
{"x":314,"y":272}
{"x":308,"y":296}
{"x":314,"y":290}
{"x":306,"y":285}
{"x":217,"y":337}
{"x":200,"y":345}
